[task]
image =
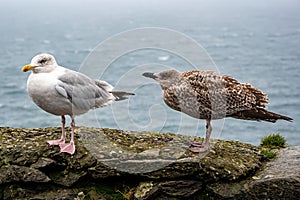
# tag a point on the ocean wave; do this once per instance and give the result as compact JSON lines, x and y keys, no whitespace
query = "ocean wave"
{"x":164,"y":58}
{"x":46,"y":41}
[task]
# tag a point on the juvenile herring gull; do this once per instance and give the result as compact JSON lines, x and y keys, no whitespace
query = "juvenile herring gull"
{"x":207,"y":95}
{"x":62,"y":91}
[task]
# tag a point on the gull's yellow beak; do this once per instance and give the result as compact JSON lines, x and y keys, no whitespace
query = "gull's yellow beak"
{"x":27,"y":68}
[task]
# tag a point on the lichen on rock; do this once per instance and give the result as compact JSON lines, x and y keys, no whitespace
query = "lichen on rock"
{"x":117,"y":164}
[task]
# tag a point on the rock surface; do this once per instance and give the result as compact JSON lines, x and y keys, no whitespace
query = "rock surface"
{"x":278,"y":179}
{"x":115,"y":164}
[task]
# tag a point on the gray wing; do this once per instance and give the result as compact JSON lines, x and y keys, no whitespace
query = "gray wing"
{"x":82,"y":91}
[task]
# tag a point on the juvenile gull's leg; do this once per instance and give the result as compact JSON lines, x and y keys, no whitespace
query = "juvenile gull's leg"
{"x":63,"y":134}
{"x":198,"y":147}
{"x":70,"y":147}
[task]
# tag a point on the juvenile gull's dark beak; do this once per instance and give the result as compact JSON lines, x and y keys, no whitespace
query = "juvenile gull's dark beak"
{"x":149,"y":75}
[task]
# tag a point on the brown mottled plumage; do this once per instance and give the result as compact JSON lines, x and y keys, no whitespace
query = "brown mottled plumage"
{"x":207,"y":95}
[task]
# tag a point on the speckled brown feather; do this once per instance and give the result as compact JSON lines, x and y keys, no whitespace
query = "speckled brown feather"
{"x":207,"y":95}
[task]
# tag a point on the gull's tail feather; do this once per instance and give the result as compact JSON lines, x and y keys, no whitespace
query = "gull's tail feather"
{"x":260,"y":114}
{"x":120,"y":95}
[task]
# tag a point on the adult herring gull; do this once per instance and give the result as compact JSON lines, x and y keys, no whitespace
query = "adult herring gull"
{"x":207,"y":95}
{"x":62,"y":91}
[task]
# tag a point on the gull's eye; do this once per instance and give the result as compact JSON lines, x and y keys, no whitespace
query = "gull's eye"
{"x":165,"y":76}
{"x":43,"y":61}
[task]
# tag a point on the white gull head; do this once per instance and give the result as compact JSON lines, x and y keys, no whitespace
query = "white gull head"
{"x":41,"y":63}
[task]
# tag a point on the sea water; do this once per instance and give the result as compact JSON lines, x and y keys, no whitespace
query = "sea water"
{"x":253,"y":42}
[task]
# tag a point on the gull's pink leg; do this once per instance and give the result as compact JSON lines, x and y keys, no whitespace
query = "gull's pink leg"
{"x":63,"y":134}
{"x":197,"y":144}
{"x":198,"y":147}
{"x":69,"y":148}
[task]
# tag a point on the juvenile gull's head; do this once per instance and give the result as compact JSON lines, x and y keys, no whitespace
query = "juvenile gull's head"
{"x":165,"y":78}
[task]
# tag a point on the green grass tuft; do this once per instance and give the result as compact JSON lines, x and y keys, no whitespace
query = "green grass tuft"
{"x":268,"y":154}
{"x":273,"y":141}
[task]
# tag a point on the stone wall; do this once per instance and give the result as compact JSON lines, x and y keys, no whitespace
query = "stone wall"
{"x":115,"y":164}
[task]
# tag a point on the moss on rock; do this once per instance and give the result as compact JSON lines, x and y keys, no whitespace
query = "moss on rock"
{"x":114,"y":164}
